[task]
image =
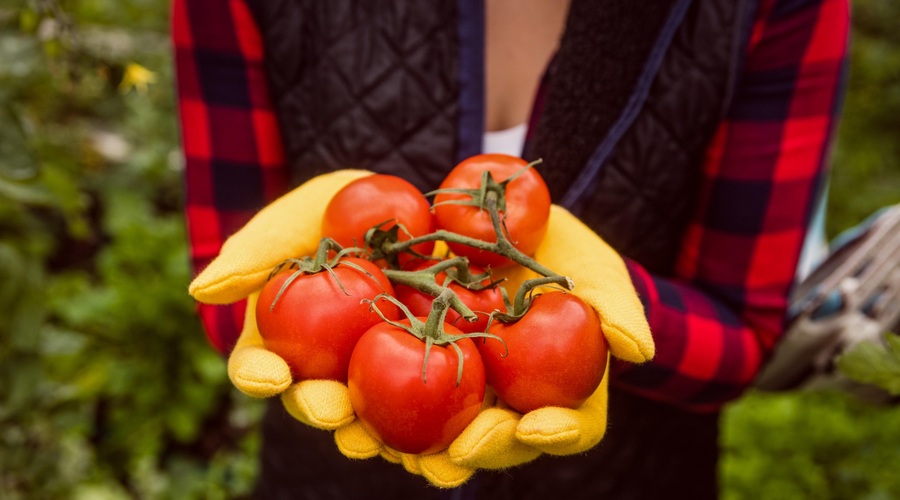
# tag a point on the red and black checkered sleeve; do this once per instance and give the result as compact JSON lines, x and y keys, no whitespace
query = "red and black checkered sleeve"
{"x":233,"y":153}
{"x":718,"y":319}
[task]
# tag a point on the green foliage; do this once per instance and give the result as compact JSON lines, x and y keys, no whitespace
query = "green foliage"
{"x":866,"y":161}
{"x":109,"y":387}
{"x":809,"y":445}
{"x":875,"y":364}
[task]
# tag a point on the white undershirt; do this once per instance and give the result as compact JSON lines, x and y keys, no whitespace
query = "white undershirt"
{"x":508,"y":141}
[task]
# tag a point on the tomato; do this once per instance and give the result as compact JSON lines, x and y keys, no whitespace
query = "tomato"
{"x":557,"y":354}
{"x":526,"y":213}
{"x":378,"y":200}
{"x":314,"y":325}
{"x":479,"y":301}
{"x":394,"y":403}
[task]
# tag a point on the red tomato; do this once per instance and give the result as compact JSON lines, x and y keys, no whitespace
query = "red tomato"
{"x":396,"y":405}
{"x":479,"y":301}
{"x":314,"y":325}
{"x":383,"y":200}
{"x":557,"y":354}
{"x":526,"y":214}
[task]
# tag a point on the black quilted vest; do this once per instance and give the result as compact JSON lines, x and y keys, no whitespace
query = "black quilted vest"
{"x":634,"y":95}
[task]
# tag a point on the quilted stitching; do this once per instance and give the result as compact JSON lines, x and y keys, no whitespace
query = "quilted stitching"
{"x":365,"y":88}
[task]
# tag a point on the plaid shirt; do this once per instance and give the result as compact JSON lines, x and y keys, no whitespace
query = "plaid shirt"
{"x":714,"y":322}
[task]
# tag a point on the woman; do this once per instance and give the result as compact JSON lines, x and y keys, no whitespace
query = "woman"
{"x":691,"y":135}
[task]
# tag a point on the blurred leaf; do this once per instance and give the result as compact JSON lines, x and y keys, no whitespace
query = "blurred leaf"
{"x":16,"y":159}
{"x":24,"y":193}
{"x":876,"y":364}
{"x":28,"y":20}
{"x":21,"y":57}
{"x":103,"y":491}
{"x":12,"y":267}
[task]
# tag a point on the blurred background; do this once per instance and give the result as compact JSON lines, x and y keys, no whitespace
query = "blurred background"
{"x":108,"y":388}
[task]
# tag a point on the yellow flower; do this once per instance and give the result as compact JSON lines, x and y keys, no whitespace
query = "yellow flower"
{"x":137,"y":77}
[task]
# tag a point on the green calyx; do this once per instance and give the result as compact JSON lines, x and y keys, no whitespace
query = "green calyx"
{"x":431,"y":331}
{"x":380,"y":243}
{"x":488,"y":188}
{"x":316,"y":264}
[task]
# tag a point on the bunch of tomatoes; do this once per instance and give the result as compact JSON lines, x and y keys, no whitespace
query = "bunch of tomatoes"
{"x":418,"y":339}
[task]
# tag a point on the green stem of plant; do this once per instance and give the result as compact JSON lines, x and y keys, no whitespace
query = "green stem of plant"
{"x":424,"y":282}
{"x":501,"y":247}
{"x":434,"y":324}
{"x":521,"y":302}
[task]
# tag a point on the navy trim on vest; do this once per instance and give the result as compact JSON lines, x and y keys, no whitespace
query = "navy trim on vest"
{"x":470,"y":124}
{"x":585,"y":179}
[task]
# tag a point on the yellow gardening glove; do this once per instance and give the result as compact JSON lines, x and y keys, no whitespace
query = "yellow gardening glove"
{"x":500,"y":438}
{"x":257,"y":372}
{"x":601,"y":279}
{"x":287,"y":228}
{"x":290,"y":228}
{"x":439,"y":469}
{"x":355,"y":442}
{"x":254,"y":370}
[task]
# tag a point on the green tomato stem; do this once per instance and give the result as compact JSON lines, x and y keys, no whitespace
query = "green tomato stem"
{"x":501,"y":247}
{"x":523,"y":301}
{"x":424,"y":282}
{"x":524,"y":297}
